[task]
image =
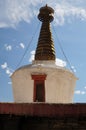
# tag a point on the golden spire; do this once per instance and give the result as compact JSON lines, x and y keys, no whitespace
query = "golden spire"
{"x":45,"y":49}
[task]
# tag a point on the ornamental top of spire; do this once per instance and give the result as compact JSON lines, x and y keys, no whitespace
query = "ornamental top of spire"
{"x":46,"y":14}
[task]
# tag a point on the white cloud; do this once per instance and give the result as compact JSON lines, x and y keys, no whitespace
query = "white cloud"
{"x":83,"y":92}
{"x":8,"y":72}
{"x":80,"y":92}
{"x":60,"y":62}
{"x":8,"y":47}
{"x":85,"y":87}
{"x":73,"y":68}
{"x":9,"y":82}
{"x":77,"y":92}
{"x":22,"y":45}
{"x":3,"y":66}
{"x":7,"y":69}
{"x":32,"y":54}
{"x":68,"y":11}
{"x":14,"y":11}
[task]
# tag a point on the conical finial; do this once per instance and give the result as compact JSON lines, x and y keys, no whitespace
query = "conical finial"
{"x":45,"y":48}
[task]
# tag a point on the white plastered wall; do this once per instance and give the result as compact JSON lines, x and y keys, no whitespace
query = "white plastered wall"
{"x":59,"y":84}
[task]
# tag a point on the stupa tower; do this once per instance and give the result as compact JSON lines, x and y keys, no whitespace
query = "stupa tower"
{"x":45,"y":48}
{"x":43,"y":80}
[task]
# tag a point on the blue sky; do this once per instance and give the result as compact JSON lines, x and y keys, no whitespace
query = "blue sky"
{"x":19,"y":31}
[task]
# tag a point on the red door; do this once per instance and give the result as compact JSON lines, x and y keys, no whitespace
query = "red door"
{"x":39,"y":88}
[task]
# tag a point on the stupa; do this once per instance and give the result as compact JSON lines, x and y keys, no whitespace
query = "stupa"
{"x":43,"y":92}
{"x":43,"y":80}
